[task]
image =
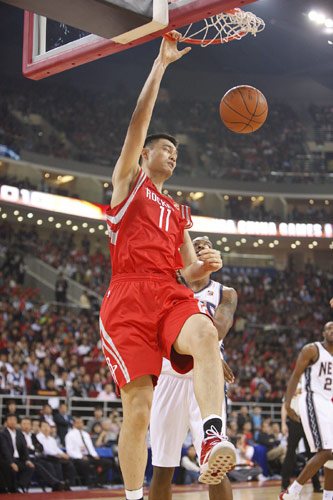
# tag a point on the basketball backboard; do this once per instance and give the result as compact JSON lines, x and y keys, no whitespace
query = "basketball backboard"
{"x":47,"y":51}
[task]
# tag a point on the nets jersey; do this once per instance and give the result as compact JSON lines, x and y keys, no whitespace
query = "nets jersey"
{"x":146,"y":231}
{"x":211,"y":295}
{"x":318,"y":377}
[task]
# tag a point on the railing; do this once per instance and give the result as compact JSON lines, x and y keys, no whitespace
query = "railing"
{"x":31,"y":406}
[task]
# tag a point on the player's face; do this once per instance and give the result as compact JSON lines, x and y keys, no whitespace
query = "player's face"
{"x":200,"y":244}
{"x":162,"y":157}
{"x":328,"y":332}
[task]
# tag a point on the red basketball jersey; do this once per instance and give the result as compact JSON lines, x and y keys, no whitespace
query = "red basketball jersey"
{"x":146,"y":231}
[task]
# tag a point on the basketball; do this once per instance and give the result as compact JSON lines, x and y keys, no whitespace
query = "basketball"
{"x":243,"y":109}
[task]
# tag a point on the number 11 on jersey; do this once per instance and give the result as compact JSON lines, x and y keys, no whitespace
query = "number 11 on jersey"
{"x":167,"y":217}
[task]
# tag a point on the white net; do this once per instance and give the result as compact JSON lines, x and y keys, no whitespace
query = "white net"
{"x":224,"y":28}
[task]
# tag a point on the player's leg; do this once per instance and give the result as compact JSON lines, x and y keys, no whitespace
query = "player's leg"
{"x":136,"y":399}
{"x":295,"y":432}
{"x":160,"y":487}
{"x":328,"y":485}
{"x":309,"y":470}
{"x":198,"y":338}
{"x":221,"y":491}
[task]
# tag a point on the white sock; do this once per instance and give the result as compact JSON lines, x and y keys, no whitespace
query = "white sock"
{"x":295,"y":488}
{"x":328,"y":495}
{"x":134,"y":494}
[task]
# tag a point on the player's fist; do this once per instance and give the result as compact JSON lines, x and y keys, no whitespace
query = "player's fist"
{"x":211,"y":259}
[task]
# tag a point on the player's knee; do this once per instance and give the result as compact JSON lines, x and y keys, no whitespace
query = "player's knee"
{"x":140,"y":414}
{"x":205,"y":335}
{"x":163,"y":475}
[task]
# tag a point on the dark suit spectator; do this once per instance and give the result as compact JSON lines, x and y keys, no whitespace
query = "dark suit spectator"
{"x":45,"y":471}
{"x":243,"y":416}
{"x":92,"y":469}
{"x":63,"y":421}
{"x":38,"y":383}
{"x":47,"y":415}
{"x":11,"y":408}
{"x":61,"y":286}
{"x":274,"y":450}
{"x":14,"y":452}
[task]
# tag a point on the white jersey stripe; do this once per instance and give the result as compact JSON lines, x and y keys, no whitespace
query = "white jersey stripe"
{"x":112,"y":235}
{"x":117,"y":218}
{"x":111,"y":348}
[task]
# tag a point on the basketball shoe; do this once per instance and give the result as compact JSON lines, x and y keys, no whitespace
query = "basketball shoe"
{"x":218,"y":456}
{"x":285,"y":495}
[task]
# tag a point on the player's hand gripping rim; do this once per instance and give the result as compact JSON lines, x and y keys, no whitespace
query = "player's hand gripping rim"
{"x":169,"y":51}
{"x":211,"y":259}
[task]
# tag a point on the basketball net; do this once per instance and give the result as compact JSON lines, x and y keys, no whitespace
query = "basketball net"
{"x":223,"y":28}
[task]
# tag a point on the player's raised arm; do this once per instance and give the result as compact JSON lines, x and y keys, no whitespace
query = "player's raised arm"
{"x":127,"y":166}
{"x":224,"y":315}
{"x":196,"y":268}
{"x":308,"y":355}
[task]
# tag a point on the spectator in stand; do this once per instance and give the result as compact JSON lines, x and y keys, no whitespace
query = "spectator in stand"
{"x":245,"y":469}
{"x":11,"y":408}
{"x":60,"y":460}
{"x":4,"y":386}
{"x":85,"y":301}
{"x":243,"y":416}
{"x":77,"y":390}
{"x":94,"y":434}
{"x":232,"y":429}
{"x":63,"y":421}
{"x":256,"y":421}
{"x":190,"y":464}
{"x":15,"y":381}
{"x":4,"y":360}
{"x":274,"y":450}
{"x":14,"y":451}
{"x":107,"y":394}
{"x":86,"y":460}
{"x":96,"y":384}
{"x":97,"y":418}
{"x":47,"y":415}
{"x":61,"y":286}
{"x":107,"y":436}
{"x":38,"y":384}
{"x":115,"y":423}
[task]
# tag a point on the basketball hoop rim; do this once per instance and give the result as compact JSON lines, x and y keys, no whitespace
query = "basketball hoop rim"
{"x":213,"y":41}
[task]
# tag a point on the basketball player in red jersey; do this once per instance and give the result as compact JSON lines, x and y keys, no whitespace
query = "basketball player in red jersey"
{"x":146,"y":314}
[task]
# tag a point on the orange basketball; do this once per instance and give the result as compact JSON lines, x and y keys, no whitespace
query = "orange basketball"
{"x":243,"y":109}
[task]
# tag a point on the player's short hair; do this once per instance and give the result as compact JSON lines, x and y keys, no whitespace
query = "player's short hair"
{"x":205,"y":238}
{"x":150,"y":139}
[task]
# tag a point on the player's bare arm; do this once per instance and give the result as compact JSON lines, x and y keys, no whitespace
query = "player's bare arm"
{"x":224,"y":315}
{"x":308,"y":355}
{"x":196,"y":268}
{"x":127,"y":166}
{"x":331,"y":303}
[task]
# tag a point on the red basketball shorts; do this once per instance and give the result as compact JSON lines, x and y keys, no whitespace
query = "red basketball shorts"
{"x":141,"y":317}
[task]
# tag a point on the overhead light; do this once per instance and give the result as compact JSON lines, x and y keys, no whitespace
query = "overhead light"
{"x":4,"y":215}
{"x":85,"y":224}
{"x":91,"y":230}
{"x":327,"y":202}
{"x":75,"y":228}
{"x":310,"y":246}
{"x":243,"y":240}
{"x":315,"y":243}
{"x":293,"y":245}
{"x":330,"y":42}
{"x":39,"y":222}
{"x":197,"y":195}
{"x":312,"y":15}
{"x":224,"y":239}
{"x":30,"y":215}
{"x":106,"y":232}
{"x":320,"y":19}
{"x":58,"y":225}
{"x":50,"y":219}
{"x":276,"y":242}
{"x":226,"y":197}
{"x":219,"y":242}
{"x":47,"y":175}
{"x":311,"y":202}
{"x":20,"y":218}
{"x":329,"y":23}
{"x":260,"y":241}
{"x":16,"y":212}
{"x":255,"y":244}
{"x":59,"y":177}
{"x":106,"y":184}
{"x":226,"y":249}
{"x":297,"y":242}
{"x":68,"y":222}
{"x":65,"y":178}
{"x":179,"y":193}
{"x":253,"y":198}
{"x":238,"y":243}
{"x":101,"y":226}
{"x":271,"y":245}
{"x":165,"y":191}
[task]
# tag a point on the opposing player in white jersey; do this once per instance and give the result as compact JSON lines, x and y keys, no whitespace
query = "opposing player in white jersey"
{"x":175,"y":409}
{"x":315,"y":365}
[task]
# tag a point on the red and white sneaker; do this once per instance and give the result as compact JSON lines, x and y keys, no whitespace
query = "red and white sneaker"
{"x":285,"y":495}
{"x":218,"y":456}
